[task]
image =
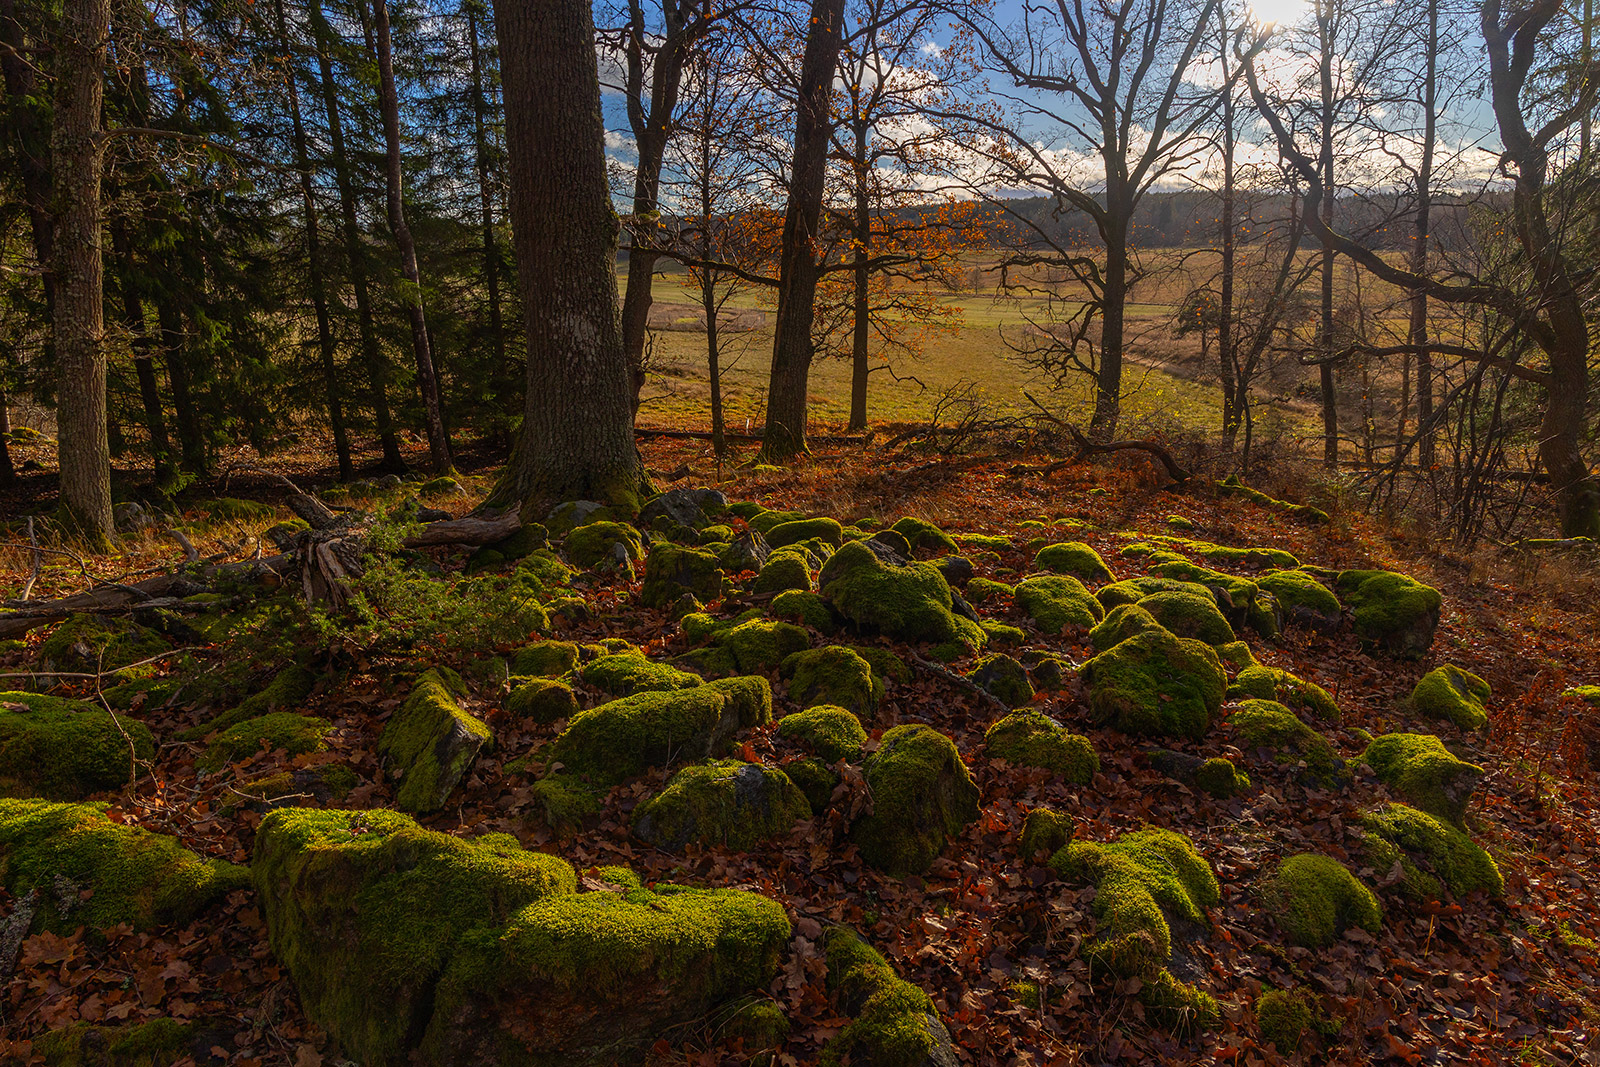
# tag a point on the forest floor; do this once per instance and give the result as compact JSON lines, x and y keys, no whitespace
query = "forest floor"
{"x":1476,"y":980}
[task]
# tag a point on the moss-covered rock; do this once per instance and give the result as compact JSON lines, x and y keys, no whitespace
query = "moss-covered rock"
{"x":885,"y":664}
{"x":325,"y":784}
{"x":1044,"y":831}
{"x":1300,"y":696}
{"x":1304,"y":600}
{"x":615,"y":544}
{"x":1055,"y":602}
{"x":288,"y":688}
{"x":1030,"y":738}
{"x":763,"y":521}
{"x":1425,"y":773}
{"x":806,"y":608}
{"x":1122,"y":622}
{"x":155,"y":1043}
{"x":924,"y":536}
{"x":1188,"y":615}
{"x":66,"y":749}
{"x":673,"y":570}
{"x":1392,"y":611}
{"x":721,"y":802}
{"x":1133,"y":590}
{"x":754,"y":644}
{"x":625,"y":673}
{"x":544,"y":659}
{"x":290,"y":731}
{"x":909,"y":603}
{"x":87,"y":644}
{"x":832,"y":732}
{"x":137,"y":877}
{"x":541,"y":700}
{"x":816,"y":778}
{"x":1237,"y":654}
{"x":1002,"y":678}
{"x":1243,"y":601}
{"x":618,"y":740}
{"x":1048,"y":673}
{"x":1283,"y":1018}
{"x":1220,"y":778}
{"x":1157,"y":685}
{"x":1074,"y":558}
{"x":1432,"y":854}
{"x":783,"y":571}
{"x":429,"y":743}
{"x":922,"y":795}
{"x":1449,"y":692}
{"x":1266,"y":724}
{"x":893,"y":1023}
{"x":982,"y":591}
{"x":1315,"y":899}
{"x":1253,"y":558}
{"x":829,"y":531}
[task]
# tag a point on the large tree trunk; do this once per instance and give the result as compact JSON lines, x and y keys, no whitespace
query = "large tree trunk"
{"x":1114,"y":299}
{"x":421,"y":343}
{"x":377,"y":373}
{"x":1417,"y":332}
{"x":1325,"y":339}
{"x":785,"y":433}
{"x":576,"y":440}
{"x":862,"y":309}
{"x":1232,"y":412}
{"x":76,"y":161}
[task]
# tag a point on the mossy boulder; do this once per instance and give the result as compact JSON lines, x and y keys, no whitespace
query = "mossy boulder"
{"x":1030,"y":738}
{"x":1253,"y":558}
{"x":622,"y":674}
{"x":1432,"y":854}
{"x":1269,"y":726}
{"x":892,"y":1022}
{"x":763,"y":520}
{"x":326,"y":784}
{"x":673,"y":570}
{"x":816,"y":778}
{"x":685,"y":507}
{"x":618,"y":740}
{"x":1044,"y":831}
{"x":909,"y":603}
{"x":290,"y":731}
{"x":1055,"y":602}
{"x":1074,"y":558}
{"x":137,"y":877}
{"x":1241,"y":600}
{"x":783,"y":571}
{"x":1189,"y":615}
{"x":1048,"y":673}
{"x":924,"y":536}
{"x":1003,"y":678}
{"x":1425,"y":773}
{"x":754,"y":644}
{"x":1297,"y":694}
{"x":1133,"y":590}
{"x":288,"y":688}
{"x":155,"y":1043}
{"x":1122,"y":622}
{"x":1284,"y":1016}
{"x":805,"y":608}
{"x":721,"y":802}
{"x":1156,"y":685}
{"x":983,"y":590}
{"x":1315,"y":899}
{"x":1305,"y":601}
{"x":541,"y":700}
{"x":922,"y":795}
{"x":544,"y":659}
{"x":828,"y":531}
{"x":1220,"y":778}
{"x":1392,"y":611}
{"x":66,"y":749}
{"x":615,"y":544}
{"x":1449,"y":692}
{"x":87,"y":644}
{"x":832,"y":732}
{"x":429,"y":743}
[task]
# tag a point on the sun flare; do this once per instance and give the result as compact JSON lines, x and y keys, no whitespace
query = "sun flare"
{"x":1278,"y":12}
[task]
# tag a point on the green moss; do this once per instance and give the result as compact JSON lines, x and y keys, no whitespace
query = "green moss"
{"x":828,"y":531}
{"x":1133,"y":590}
{"x":618,"y":740}
{"x":1451,"y":693}
{"x":814,"y":777}
{"x":992,"y":542}
{"x":924,"y":536}
{"x":156,"y":1043}
{"x":1237,"y":654}
{"x":1157,"y":685}
{"x":603,"y":542}
{"x":1432,"y":854}
{"x":544,"y":659}
{"x":922,"y":795}
{"x":1049,"y":673}
{"x":1269,"y":725}
{"x":1316,"y":899}
{"x":429,"y":743}
{"x":832,"y":732}
{"x":759,"y":1026}
{"x":366,"y":909}
{"x":1074,"y":558}
{"x":745,"y":509}
{"x":1299,"y":695}
{"x":982,"y":591}
{"x":1001,"y":635}
{"x":85,"y":644}
{"x":1257,"y":558}
{"x":1179,"y":1006}
{"x":137,"y":876}
{"x":1221,"y":778}
{"x":783,"y":571}
{"x":444,"y":485}
{"x":910,"y":603}
{"x":721,"y":802}
{"x":625,"y":673}
{"x":1283,"y":1018}
{"x":230,"y":509}
{"x":1303,"y":599}
{"x":753,"y":645}
{"x":1142,"y":879}
{"x":1055,"y":602}
{"x":1003,"y":678}
{"x":893,"y":1023}
{"x":296,"y":734}
{"x":1122,"y":622}
{"x":1044,"y":831}
{"x":764,"y":521}
{"x":885,"y":664}
{"x":66,"y":749}
{"x":1188,"y":615}
{"x":1030,"y":738}
{"x":540,"y":571}
{"x":1302,"y":512}
{"x":1392,"y":611}
{"x":1241,"y":600}
{"x":1424,"y":772}
{"x":542,"y":700}
{"x":288,"y":688}
{"x":809,"y":609}
{"x":673,"y":570}
{"x":565,"y":801}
